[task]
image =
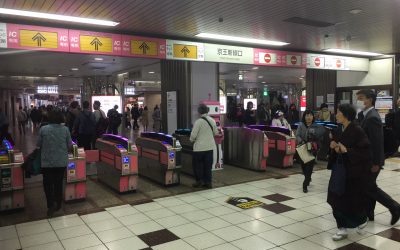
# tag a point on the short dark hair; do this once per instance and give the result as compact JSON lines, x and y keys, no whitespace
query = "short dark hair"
{"x":116,"y":106}
{"x":369,"y":94}
{"x":323,"y":105}
{"x":55,"y":116}
{"x":348,"y":111}
{"x":308,"y":111}
{"x":97,"y":103}
{"x":86,"y":104}
{"x":74,"y":104}
{"x":203,"y":109}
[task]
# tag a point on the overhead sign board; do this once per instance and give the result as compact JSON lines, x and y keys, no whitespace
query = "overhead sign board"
{"x":278,"y":58}
{"x":228,"y":54}
{"x":47,"y":89}
{"x":182,"y":50}
{"x":3,"y":35}
{"x":143,"y":47}
{"x":37,"y":38}
{"x":95,"y":42}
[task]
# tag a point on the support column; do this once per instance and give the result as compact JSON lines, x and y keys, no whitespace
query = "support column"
{"x":319,"y":83}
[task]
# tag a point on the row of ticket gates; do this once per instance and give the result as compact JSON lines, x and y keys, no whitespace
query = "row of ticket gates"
{"x":156,"y":156}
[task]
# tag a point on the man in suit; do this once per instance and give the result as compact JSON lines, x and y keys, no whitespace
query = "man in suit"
{"x":371,"y":122}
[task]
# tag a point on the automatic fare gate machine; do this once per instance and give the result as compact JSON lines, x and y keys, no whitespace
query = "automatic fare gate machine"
{"x":11,"y":177}
{"x":75,"y":186}
{"x":282,"y":146}
{"x":118,"y":163}
{"x":159,"y":157}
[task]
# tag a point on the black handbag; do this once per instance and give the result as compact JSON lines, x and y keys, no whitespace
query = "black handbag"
{"x":337,"y":182}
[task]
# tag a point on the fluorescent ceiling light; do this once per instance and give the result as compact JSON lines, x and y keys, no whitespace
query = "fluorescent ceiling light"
{"x":353,"y":52}
{"x":59,"y":75}
{"x":74,"y":69}
{"x":260,"y":77}
{"x":241,"y":39}
{"x":151,"y":72}
{"x":255,"y":68}
{"x":57,"y":17}
{"x":98,"y":59}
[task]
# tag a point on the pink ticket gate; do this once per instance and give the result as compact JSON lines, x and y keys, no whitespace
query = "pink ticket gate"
{"x":118,"y":163}
{"x":75,"y":186}
{"x":11,"y":180}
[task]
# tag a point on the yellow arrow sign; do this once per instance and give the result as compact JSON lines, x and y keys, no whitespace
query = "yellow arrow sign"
{"x":38,"y":39}
{"x":140,"y":47}
{"x":185,"y":51}
{"x":96,"y":43}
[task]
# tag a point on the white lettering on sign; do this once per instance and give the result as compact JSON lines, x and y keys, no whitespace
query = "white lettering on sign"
{"x":44,"y":89}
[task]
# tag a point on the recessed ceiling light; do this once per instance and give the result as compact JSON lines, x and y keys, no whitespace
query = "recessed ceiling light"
{"x":263,"y":82}
{"x":59,"y":75}
{"x":255,"y":68}
{"x":98,"y":59}
{"x":353,"y":52}
{"x":63,"y":18}
{"x":151,"y":72}
{"x":260,"y":77}
{"x":74,"y":69}
{"x":241,"y":39}
{"x":355,"y":11}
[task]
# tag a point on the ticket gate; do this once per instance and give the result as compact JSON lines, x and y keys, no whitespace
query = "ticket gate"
{"x":118,"y":163}
{"x":246,"y":148}
{"x":11,"y":178}
{"x":282,"y":146}
{"x":159,"y":157}
{"x":183,"y":136}
{"x":75,"y":184}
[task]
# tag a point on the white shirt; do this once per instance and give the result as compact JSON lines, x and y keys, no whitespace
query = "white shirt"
{"x":202,"y":136}
{"x":281,"y":123}
{"x":365,"y":112}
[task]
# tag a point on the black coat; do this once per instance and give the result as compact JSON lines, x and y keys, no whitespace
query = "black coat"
{"x":372,"y":125}
{"x":358,"y":164}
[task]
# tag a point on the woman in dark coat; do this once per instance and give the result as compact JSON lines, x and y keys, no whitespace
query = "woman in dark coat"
{"x":352,"y":145}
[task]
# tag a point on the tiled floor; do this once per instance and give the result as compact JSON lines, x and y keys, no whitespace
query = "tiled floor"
{"x":203,"y":220}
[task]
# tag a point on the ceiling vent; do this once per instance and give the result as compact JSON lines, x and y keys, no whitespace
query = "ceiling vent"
{"x":308,"y":22}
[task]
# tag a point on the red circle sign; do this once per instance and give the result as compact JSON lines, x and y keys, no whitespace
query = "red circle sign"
{"x":317,"y":62}
{"x":293,"y":60}
{"x":338,"y":63}
{"x":267,"y":58}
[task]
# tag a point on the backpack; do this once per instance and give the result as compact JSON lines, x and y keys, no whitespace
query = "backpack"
{"x":114,"y":117}
{"x":102,"y":125}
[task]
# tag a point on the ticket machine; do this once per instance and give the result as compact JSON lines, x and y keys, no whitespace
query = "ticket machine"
{"x":159,"y":157}
{"x":282,"y":146}
{"x":75,"y":185}
{"x":214,"y":112}
{"x":11,"y":177}
{"x":118,"y":163}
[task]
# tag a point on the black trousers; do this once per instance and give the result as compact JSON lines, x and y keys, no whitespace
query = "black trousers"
{"x":307,"y":172}
{"x":85,"y":141}
{"x":202,"y":165}
{"x":21,"y":127}
{"x":135,"y":123}
{"x":375,"y":194}
{"x":113,"y":129}
{"x":53,"y":185}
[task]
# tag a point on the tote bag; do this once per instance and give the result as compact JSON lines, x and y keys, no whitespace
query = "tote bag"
{"x":337,"y":182}
{"x":305,"y":155}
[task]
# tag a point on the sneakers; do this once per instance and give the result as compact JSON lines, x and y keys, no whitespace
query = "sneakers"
{"x":361,"y":227}
{"x":340,"y":235}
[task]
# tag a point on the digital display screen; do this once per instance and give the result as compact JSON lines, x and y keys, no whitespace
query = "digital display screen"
{"x":120,"y":146}
{"x":171,"y":155}
{"x":71,"y":165}
{"x":125,"y":159}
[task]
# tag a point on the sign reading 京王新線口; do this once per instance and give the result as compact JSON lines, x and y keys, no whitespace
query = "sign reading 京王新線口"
{"x":136,"y":46}
{"x":228,"y":54}
{"x":37,"y":38}
{"x":244,"y":202}
{"x":3,"y":35}
{"x":182,"y":50}
{"x":95,"y":42}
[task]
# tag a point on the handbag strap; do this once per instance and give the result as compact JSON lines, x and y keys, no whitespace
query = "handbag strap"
{"x":212,"y":130}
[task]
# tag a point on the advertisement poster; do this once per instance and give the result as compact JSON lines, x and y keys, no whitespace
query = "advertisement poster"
{"x":108,"y":102}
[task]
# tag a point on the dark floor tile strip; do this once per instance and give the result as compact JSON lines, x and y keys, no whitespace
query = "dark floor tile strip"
{"x":277,"y":208}
{"x":140,"y":202}
{"x":278,"y":197}
{"x":391,"y":233}
{"x":158,"y":237}
{"x":90,"y":211}
{"x":354,"y":246}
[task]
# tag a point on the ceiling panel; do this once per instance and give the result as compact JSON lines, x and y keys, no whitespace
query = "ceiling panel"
{"x":375,"y":29}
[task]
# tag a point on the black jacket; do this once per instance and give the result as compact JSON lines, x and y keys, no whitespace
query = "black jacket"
{"x":372,"y":125}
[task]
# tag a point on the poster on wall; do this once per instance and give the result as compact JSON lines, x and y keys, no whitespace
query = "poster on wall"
{"x":108,"y":102}
{"x":171,"y":112}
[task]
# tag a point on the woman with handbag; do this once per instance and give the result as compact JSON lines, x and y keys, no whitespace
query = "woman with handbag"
{"x":306,"y":139}
{"x":350,"y":163}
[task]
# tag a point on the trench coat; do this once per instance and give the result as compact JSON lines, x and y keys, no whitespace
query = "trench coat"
{"x":358,"y":163}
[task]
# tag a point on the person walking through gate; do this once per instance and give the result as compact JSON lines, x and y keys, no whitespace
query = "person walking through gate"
{"x":202,"y":136}
{"x":22,"y":118}
{"x":114,"y":120}
{"x":85,"y":127}
{"x":371,"y":122}
{"x":135,"y":116}
{"x":54,"y":142}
